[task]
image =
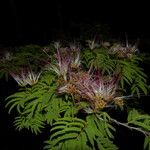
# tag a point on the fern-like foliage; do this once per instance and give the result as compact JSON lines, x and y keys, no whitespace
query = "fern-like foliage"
{"x":74,"y":96}
{"x":66,"y":133}
{"x":32,"y":104}
{"x":147,"y":143}
{"x":74,"y":133}
{"x":99,"y":59}
{"x":34,"y":123}
{"x":140,"y":120}
{"x":133,"y":75}
{"x":141,"y":123}
{"x":35,"y":95}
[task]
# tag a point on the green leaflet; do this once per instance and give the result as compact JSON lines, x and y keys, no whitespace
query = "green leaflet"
{"x":140,"y":120}
{"x":106,"y":144}
{"x":135,"y":115}
{"x":138,"y":86}
{"x":147,"y":143}
{"x":103,"y":62}
{"x":35,"y":124}
{"x":66,"y":129}
{"x":97,"y":130}
{"x":90,"y":131}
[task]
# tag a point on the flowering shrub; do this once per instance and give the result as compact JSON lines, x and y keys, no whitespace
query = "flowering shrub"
{"x":73,"y":90}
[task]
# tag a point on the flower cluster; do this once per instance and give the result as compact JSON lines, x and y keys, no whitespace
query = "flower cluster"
{"x":92,"y":44}
{"x":66,"y":60}
{"x":94,"y":88}
{"x":123,"y":51}
{"x":97,"y":90}
{"x":26,"y":76}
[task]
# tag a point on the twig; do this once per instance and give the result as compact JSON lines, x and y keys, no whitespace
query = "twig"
{"x":130,"y":127}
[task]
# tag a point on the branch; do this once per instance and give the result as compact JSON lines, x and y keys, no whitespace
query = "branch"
{"x":130,"y":127}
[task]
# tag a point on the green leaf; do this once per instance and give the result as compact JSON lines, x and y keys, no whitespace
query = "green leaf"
{"x":147,"y":143}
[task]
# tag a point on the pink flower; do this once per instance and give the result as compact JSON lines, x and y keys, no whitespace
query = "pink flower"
{"x":66,"y":60}
{"x":105,"y":86}
{"x":26,"y":76}
{"x":92,"y":44}
{"x":95,"y":89}
{"x":19,"y":78}
{"x":123,"y":51}
{"x":78,"y":81}
{"x":75,"y":59}
{"x":62,"y":64}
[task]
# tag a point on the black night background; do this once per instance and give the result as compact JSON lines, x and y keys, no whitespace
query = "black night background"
{"x":40,"y":22}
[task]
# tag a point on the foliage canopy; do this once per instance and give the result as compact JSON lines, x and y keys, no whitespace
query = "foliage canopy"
{"x":73,"y":91}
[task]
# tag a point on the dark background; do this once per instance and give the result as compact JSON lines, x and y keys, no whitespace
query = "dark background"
{"x":39,"y":22}
{"x":31,"y":21}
